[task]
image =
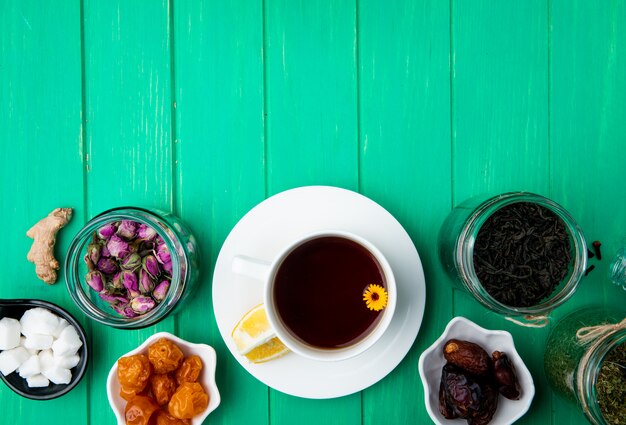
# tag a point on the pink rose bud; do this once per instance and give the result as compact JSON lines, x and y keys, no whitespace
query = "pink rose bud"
{"x":107,"y":265}
{"x":163,"y":254}
{"x":145,"y":232}
{"x":142,"y":304}
{"x":116,"y":282}
{"x":106,"y":231}
{"x":113,"y":299}
{"x":90,"y":265}
{"x":151,"y":266}
{"x":132,"y":262}
{"x":118,"y":247}
{"x":129,"y":281}
{"x":127,"y":229}
{"x":160,"y":291}
{"x":146,"y":284}
{"x":168,"y":267}
{"x":95,"y":280}
{"x":93,"y":251}
{"x":128,"y":312}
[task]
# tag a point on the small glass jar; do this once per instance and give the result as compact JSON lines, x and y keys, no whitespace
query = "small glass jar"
{"x":617,"y":269}
{"x":180,"y":243}
{"x":572,"y":367}
{"x":456,"y":250}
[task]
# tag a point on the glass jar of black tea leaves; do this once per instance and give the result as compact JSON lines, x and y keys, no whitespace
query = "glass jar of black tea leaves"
{"x":519,"y":254}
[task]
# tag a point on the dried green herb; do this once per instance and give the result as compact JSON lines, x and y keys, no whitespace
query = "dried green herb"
{"x":563,"y":353}
{"x":522,"y":253}
{"x":611,"y":386}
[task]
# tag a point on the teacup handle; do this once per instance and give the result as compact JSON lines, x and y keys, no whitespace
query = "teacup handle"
{"x":251,"y":267}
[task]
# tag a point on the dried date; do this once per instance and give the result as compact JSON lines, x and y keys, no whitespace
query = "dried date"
{"x":445,"y":408}
{"x":461,"y":391}
{"x":505,"y":376}
{"x":467,"y":356}
{"x":488,"y":406}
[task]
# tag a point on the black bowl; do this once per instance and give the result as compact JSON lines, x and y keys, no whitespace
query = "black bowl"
{"x":15,"y":309}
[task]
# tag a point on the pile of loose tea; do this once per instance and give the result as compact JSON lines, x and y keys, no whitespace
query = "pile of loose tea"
{"x":611,"y":386}
{"x":521,"y":254}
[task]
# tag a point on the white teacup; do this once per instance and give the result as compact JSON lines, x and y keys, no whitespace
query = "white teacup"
{"x":266,"y":272}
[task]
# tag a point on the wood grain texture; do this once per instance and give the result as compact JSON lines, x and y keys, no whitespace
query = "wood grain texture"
{"x":206,"y":108}
{"x":500,"y":134}
{"x":588,"y":141}
{"x":311,"y":94}
{"x":129,"y":139}
{"x":220,"y":165}
{"x":40,"y":165}
{"x":405,"y":162}
{"x":311,"y":129}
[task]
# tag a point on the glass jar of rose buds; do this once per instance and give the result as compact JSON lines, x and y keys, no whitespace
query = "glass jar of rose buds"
{"x":130,"y":267}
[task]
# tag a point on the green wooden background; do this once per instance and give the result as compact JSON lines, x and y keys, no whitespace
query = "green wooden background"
{"x":205,"y":108}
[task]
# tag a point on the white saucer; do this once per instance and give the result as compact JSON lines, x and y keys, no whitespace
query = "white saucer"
{"x":277,"y":221}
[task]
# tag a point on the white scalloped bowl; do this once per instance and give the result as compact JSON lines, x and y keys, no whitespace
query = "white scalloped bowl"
{"x":432,"y":361}
{"x":206,"y":378}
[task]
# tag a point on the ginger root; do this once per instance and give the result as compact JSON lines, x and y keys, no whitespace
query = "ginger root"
{"x":44,"y":237}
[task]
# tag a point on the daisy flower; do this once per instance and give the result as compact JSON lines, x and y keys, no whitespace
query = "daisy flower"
{"x":375,"y":297}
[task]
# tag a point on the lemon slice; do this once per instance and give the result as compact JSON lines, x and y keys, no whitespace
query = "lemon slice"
{"x":255,"y":338}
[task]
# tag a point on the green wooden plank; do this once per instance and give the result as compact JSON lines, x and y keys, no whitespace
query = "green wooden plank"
{"x":588,"y":140}
{"x":220,"y":139}
{"x":40,"y":165}
{"x":311,"y":94}
{"x":310,"y":75}
{"x":405,"y":147}
{"x":500,"y":133}
{"x":129,"y":146}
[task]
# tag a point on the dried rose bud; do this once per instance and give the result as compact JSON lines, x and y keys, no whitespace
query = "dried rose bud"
{"x":107,"y":265}
{"x":132,"y":262}
{"x":93,"y":251}
{"x":168,"y":267}
{"x":95,"y":280}
{"x":160,"y":291}
{"x":116,"y":282}
{"x":118,"y":247}
{"x":151,"y":266}
{"x":146,"y":284}
{"x":127,"y":229}
{"x":124,"y":310}
{"x":163,"y":254}
{"x":142,"y":304}
{"x":145,"y":232}
{"x":90,"y":265}
{"x":104,"y":252}
{"x":113,"y":299}
{"x":106,"y":231}
{"x":129,"y":281}
{"x":129,"y":312}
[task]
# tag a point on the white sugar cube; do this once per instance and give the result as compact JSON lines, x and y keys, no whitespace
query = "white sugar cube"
{"x":38,"y":342}
{"x":9,"y":333}
{"x":62,"y":325}
{"x":12,"y":359}
{"x":67,"y":362}
{"x":58,"y":375}
{"x":31,"y":351}
{"x":68,"y":343}
{"x":30,"y":367}
{"x":39,"y":321}
{"x":37,"y":381}
{"x":46,"y":360}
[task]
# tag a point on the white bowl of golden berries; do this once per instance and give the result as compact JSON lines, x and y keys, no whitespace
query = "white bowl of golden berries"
{"x":166,"y":380}
{"x":476,"y":375}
